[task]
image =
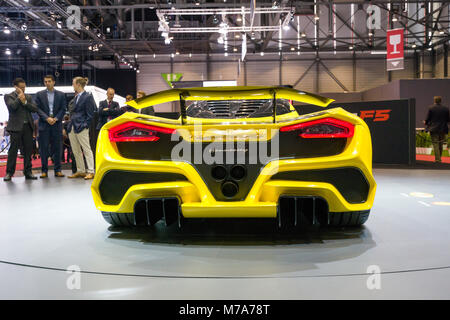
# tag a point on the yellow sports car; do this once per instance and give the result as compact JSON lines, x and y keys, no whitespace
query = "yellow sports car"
{"x":235,"y":152}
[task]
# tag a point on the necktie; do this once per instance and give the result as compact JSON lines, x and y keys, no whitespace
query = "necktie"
{"x":109,"y":106}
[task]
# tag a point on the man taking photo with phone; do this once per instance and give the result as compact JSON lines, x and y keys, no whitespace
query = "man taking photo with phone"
{"x":21,"y":127}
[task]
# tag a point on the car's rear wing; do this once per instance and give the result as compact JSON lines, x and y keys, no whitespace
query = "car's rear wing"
{"x":228,"y":93}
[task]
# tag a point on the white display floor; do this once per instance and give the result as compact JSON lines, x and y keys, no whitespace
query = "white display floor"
{"x":49,"y":225}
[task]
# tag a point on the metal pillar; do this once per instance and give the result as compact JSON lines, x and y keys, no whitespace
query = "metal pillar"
{"x":245,"y":72}
{"x":280,"y":71}
{"x":208,"y":67}
{"x":316,"y":89}
{"x":132,"y":36}
{"x":445,"y":60}
{"x":433,"y":63}
{"x":354,"y":71}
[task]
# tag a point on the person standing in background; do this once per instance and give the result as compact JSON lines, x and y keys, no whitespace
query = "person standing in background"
{"x":148,"y":110}
{"x":436,"y":123}
{"x":108,"y":109}
{"x":20,"y":127}
{"x":2,"y":141}
{"x":127,"y":108}
{"x":81,"y":115}
{"x":52,"y":105}
{"x":6,"y":138}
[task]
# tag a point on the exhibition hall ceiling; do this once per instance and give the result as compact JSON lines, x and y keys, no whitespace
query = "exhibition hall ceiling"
{"x":121,"y":30}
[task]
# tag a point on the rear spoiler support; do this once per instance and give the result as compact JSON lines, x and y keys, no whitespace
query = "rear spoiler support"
{"x":274,"y":103}
{"x":183,"y":113}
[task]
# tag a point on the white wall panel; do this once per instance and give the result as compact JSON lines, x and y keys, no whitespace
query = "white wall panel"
{"x":440,"y":66}
{"x":342,"y":70}
{"x":193,"y":71}
{"x":293,"y":70}
{"x":370,"y":74}
{"x":221,"y":70}
{"x":150,"y":81}
{"x":262,"y":73}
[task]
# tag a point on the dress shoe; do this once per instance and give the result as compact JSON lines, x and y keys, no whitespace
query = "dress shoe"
{"x":44,"y":175}
{"x":7,"y":177}
{"x":89,"y":176}
{"x":77,"y":175}
{"x":59,"y":174}
{"x":30,"y":177}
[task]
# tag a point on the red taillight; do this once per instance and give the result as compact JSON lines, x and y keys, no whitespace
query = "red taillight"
{"x":134,"y":131}
{"x":322,"y":128}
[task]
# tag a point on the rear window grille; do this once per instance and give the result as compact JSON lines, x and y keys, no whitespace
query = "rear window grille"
{"x":230,"y":109}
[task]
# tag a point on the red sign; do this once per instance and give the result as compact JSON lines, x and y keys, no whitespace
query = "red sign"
{"x":376,"y":115}
{"x":394,"y":44}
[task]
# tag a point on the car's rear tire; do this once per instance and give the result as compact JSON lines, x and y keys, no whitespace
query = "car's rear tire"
{"x":348,"y":219}
{"x":119,"y":219}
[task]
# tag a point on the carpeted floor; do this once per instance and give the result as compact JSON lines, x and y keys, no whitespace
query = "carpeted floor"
{"x":19,"y":166}
{"x":425,"y":157}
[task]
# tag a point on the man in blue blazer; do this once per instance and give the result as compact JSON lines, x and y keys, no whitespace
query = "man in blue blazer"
{"x":52,"y":106}
{"x":81,"y":114}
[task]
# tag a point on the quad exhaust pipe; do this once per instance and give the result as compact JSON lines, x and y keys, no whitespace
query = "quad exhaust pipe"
{"x":147,"y":212}
{"x":296,"y":211}
{"x":292,"y":212}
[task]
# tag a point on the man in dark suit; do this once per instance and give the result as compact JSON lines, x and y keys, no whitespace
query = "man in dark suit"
{"x":52,"y":105}
{"x":20,"y":126}
{"x":436,"y":123}
{"x":108,"y":109}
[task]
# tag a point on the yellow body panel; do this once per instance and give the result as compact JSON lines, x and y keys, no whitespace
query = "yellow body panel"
{"x":195,"y":197}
